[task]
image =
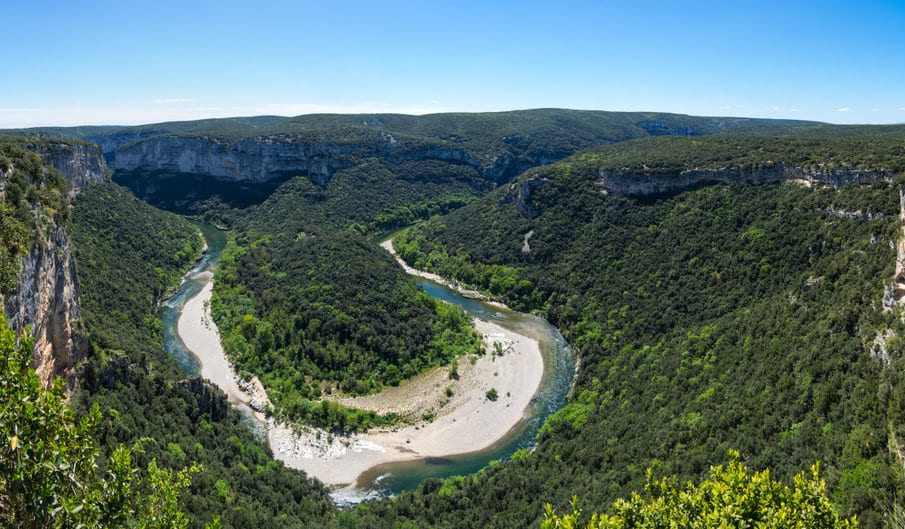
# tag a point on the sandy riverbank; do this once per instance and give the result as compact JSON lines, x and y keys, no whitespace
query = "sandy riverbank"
{"x":463,"y":422}
{"x":473,"y":294}
{"x":201,"y":336}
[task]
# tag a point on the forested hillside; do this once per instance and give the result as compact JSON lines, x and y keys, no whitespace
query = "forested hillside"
{"x":129,"y":254}
{"x":290,"y":313}
{"x":723,"y":317}
{"x":293,"y":318}
{"x":214,"y":167}
{"x":547,"y":130}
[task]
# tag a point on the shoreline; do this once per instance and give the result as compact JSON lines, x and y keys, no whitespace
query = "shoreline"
{"x":462,"y":422}
{"x":201,"y":336}
{"x":468,"y":422}
{"x":473,"y":294}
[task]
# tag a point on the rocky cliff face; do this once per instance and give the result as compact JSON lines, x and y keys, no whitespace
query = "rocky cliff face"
{"x":520,"y":192}
{"x":520,"y":195}
{"x":263,"y":159}
{"x":80,"y":164}
{"x":46,"y":299}
{"x":246,"y":160}
{"x":659,"y":183}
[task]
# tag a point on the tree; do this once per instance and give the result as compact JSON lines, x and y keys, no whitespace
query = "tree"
{"x":50,"y":472}
{"x":731,"y":497}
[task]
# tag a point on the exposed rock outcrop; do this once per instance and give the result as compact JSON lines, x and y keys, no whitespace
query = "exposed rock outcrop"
{"x":520,"y":195}
{"x":47,"y":301}
{"x":895,"y":293}
{"x":436,"y":152}
{"x":672,"y":182}
{"x":268,"y":158}
{"x":632,"y":184}
{"x":251,"y":160}
{"x":79,"y":163}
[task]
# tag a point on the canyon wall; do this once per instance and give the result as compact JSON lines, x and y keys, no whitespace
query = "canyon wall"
{"x":46,"y":299}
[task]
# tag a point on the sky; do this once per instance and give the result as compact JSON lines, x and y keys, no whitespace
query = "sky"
{"x":134,"y":61}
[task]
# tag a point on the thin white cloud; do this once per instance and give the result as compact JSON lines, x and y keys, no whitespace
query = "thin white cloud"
{"x":902,"y":108}
{"x":875,"y":110}
{"x":18,"y":110}
{"x":369,"y":107}
{"x":137,"y":113}
{"x":843,"y":109}
{"x":172,"y":100}
{"x":782,"y":109}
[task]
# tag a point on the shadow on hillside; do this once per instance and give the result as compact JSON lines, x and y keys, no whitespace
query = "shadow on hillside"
{"x":194,"y":194}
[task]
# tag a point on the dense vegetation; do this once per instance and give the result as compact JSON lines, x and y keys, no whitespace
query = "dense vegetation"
{"x":672,"y":154}
{"x":294,"y":318}
{"x":126,"y":252}
{"x":485,"y":148}
{"x":369,"y":197}
{"x":333,"y":309}
{"x":548,"y":130}
{"x":716,"y":318}
{"x":308,"y":304}
{"x":113,"y":230}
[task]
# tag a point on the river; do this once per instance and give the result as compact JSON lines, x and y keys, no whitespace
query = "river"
{"x":192,"y":283}
{"x":559,"y":371}
{"x":391,"y":478}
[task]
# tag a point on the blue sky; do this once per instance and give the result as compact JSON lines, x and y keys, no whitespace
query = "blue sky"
{"x":134,"y":61}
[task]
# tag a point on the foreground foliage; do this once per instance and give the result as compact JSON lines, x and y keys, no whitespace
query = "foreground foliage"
{"x":730,"y":497}
{"x":51,"y":471}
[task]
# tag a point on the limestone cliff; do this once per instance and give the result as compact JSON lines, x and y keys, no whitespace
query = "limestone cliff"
{"x":639,"y":185}
{"x":252,"y":160}
{"x":262,"y":159}
{"x":46,"y":299}
{"x":520,"y":195}
{"x":79,"y":163}
{"x":894,"y":296}
{"x":660,"y":183}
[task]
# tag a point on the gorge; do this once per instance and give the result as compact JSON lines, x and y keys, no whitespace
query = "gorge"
{"x":431,"y":448}
{"x":721,"y":280}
